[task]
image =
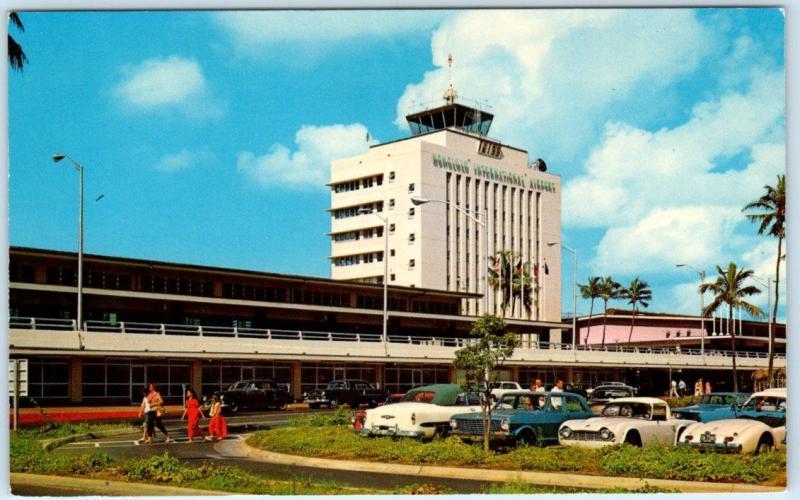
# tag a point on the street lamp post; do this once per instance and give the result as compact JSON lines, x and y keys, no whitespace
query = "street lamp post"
{"x":416,"y":200}
{"x":57,"y":158}
{"x":702,"y":308}
{"x":385,"y":336}
{"x":574,"y":290}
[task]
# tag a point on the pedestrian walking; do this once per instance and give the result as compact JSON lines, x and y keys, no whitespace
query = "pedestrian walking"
{"x":698,"y":388}
{"x":682,"y":388}
{"x":155,"y":413}
{"x":708,"y":387}
{"x":195,"y":413}
{"x":673,"y":389}
{"x":217,"y":429}
{"x":144,"y":414}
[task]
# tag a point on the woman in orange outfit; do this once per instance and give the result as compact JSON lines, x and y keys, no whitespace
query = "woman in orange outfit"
{"x":217,"y":427}
{"x":195,"y":413}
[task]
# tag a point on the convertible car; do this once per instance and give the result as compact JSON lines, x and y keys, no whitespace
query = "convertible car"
{"x":714,"y":406}
{"x":635,"y":421}
{"x":759,"y":426}
{"x":523,"y":417}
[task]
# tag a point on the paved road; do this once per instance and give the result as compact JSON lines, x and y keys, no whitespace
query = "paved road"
{"x":198,"y":452}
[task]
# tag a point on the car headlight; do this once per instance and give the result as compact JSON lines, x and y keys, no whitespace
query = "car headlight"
{"x":505,"y":424}
{"x":565,"y":432}
{"x":606,"y":435}
{"x":453,"y":424}
{"x":678,"y":415}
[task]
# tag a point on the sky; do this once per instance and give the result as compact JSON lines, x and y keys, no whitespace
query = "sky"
{"x":210,"y":134}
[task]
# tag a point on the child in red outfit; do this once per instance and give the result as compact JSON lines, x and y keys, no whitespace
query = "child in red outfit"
{"x":217,"y":427}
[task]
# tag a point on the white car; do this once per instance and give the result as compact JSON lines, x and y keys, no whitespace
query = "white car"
{"x":759,"y":426}
{"x":502,"y":387}
{"x":423,"y":412}
{"x":635,"y":420}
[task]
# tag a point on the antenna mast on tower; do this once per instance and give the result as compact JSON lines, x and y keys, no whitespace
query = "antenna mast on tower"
{"x":450,"y":94}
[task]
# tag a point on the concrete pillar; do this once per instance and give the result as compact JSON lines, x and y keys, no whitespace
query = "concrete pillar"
{"x":514,"y":373}
{"x":197,"y":376}
{"x":379,"y":376}
{"x":296,"y":381}
{"x":453,"y":374}
{"x":570,"y":374}
{"x":75,"y":380}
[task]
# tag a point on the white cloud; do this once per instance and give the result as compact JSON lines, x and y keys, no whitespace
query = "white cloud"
{"x":181,"y":160}
{"x":549,"y":73}
{"x":173,"y":81}
{"x":252,"y":32}
{"x":309,"y":165}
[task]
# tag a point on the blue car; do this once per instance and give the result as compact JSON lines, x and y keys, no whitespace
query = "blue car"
{"x":714,"y":406}
{"x":523,"y":417}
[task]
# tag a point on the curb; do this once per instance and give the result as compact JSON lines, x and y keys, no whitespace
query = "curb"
{"x":93,"y":487}
{"x":539,"y":478}
{"x":52,"y":444}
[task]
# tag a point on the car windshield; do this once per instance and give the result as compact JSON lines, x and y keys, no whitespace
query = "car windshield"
{"x":611,"y":393}
{"x":520,"y":402}
{"x":238,"y":386}
{"x":420,"y":396}
{"x":718,"y":399}
{"x":765,"y":403}
{"x":635,"y":410}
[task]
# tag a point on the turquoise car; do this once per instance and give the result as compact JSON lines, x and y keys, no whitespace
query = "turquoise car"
{"x":714,"y":406}
{"x":523,"y":417}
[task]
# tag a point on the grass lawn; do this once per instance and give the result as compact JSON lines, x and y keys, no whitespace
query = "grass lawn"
{"x":340,"y":442}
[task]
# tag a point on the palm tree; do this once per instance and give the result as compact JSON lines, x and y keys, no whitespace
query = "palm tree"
{"x":16,"y":56}
{"x":729,"y":289}
{"x":524,"y":286}
{"x":501,"y":276}
{"x":591,"y":291}
{"x":771,"y":214}
{"x":638,"y":293}
{"x":609,"y":290}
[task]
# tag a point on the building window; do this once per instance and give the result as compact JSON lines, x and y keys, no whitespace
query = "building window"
{"x":411,"y":237}
{"x":411,"y":212}
{"x":412,"y":263}
{"x":391,"y":252}
{"x":391,"y":176}
{"x":411,"y":188}
{"x":391,"y":204}
{"x":392,"y":277}
{"x":391,"y":228}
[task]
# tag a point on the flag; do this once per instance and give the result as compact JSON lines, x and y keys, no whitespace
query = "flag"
{"x":519,"y":267}
{"x":536,"y":270}
{"x":546,"y":269}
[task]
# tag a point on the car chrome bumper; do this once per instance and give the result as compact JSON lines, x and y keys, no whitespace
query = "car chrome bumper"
{"x":717,"y":447}
{"x":390,"y":431}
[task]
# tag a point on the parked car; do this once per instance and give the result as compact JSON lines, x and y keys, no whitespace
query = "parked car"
{"x":358,"y":417}
{"x":502,"y":387}
{"x":714,"y":406}
{"x":350,"y":392}
{"x":602,"y":394}
{"x":636,"y":421}
{"x":523,"y":417}
{"x":423,"y":412}
{"x":254,"y":395}
{"x":759,"y":426}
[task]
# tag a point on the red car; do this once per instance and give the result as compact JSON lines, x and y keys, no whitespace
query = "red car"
{"x":358,"y":417}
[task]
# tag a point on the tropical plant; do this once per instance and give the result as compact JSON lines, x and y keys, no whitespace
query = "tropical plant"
{"x":729,"y":288}
{"x":483,"y":357}
{"x":770,"y":213}
{"x":609,"y":290}
{"x":524,"y":286}
{"x":638,"y":293}
{"x":591,"y":291}
{"x":501,"y":275}
{"x":16,"y":56}
{"x":514,"y":281}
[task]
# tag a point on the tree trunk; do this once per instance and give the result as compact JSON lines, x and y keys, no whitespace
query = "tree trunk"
{"x":589,"y":325}
{"x":733,"y":350}
{"x":633,"y":317}
{"x":770,"y":379}
{"x":605,"y":315}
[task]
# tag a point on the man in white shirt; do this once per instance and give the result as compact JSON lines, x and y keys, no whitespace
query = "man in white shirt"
{"x":559,"y":387}
{"x":537,"y":387}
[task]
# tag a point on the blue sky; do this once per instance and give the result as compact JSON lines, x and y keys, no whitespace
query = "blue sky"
{"x":210,"y":133}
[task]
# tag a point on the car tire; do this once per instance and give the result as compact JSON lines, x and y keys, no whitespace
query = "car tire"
{"x":233,"y":407}
{"x":679,"y":435}
{"x":313,"y":406}
{"x":527,"y":437}
{"x":764,"y":445}
{"x":372,"y":403}
{"x":633,"y":439}
{"x":333,"y":404}
{"x":283,"y":405}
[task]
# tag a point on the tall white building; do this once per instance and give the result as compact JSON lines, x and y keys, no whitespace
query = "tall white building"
{"x":450,"y":161}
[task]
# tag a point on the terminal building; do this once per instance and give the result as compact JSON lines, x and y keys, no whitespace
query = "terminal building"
{"x":434,"y":208}
{"x":443,"y":200}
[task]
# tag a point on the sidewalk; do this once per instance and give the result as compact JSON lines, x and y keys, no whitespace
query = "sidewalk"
{"x":64,"y":485}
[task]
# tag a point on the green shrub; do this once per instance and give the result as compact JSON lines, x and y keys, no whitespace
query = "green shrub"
{"x":683,"y":402}
{"x":573,"y":459}
{"x":163,"y":469}
{"x":341,"y":417}
{"x":87,"y":464}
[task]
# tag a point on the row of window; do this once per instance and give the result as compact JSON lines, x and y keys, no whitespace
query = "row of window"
{"x":354,"y":185}
{"x":352,"y":260}
{"x":344,"y":213}
{"x":373,"y":232}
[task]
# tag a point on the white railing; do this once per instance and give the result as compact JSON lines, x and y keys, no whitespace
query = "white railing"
{"x":136,"y":328}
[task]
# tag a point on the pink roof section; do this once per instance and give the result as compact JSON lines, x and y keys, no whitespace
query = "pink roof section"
{"x":618,"y":334}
